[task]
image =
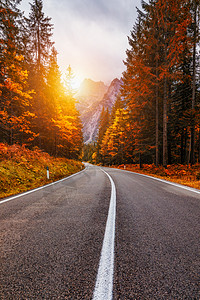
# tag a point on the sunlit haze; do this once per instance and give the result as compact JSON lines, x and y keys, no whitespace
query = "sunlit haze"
{"x":91,"y":35}
{"x":76,"y":81}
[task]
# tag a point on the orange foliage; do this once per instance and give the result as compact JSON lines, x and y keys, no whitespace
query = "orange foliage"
{"x":183,"y":174}
{"x":22,"y":169}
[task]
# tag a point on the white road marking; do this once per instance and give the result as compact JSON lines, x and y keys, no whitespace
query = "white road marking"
{"x":165,"y":181}
{"x":37,"y":189}
{"x":174,"y":184}
{"x":104,"y":281}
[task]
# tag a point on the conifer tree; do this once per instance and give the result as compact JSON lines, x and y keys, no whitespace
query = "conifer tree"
{"x":156,"y":65}
{"x":15,"y":96}
{"x":70,"y":118}
{"x":54,"y":92}
{"x":117,"y":142}
{"x":68,"y":82}
{"x":103,"y":125}
{"x":34,"y":107}
{"x":39,"y":46}
{"x":40,"y":31}
{"x":195,"y":38}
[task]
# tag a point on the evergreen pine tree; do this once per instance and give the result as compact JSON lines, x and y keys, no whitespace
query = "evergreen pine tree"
{"x":15,"y":96}
{"x":103,"y":125}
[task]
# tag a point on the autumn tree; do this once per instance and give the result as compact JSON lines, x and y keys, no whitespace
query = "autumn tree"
{"x":117,"y":143}
{"x":160,"y":87}
{"x":157,"y":68}
{"x":54,"y":92}
{"x":39,"y":47}
{"x":15,"y":96}
{"x":40,"y":31}
{"x":103,"y":125}
{"x":71,"y":131}
{"x":89,"y":152}
{"x":195,"y":39}
{"x":68,"y":82}
{"x":140,"y":83}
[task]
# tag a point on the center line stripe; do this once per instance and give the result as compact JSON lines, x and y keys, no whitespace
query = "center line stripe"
{"x":104,"y":281}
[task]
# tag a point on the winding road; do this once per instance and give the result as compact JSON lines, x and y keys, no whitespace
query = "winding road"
{"x":101,"y":234}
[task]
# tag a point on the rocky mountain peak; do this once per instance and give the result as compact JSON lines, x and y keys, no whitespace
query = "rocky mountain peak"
{"x":92,"y":97}
{"x":110,"y":96}
{"x":91,"y":91}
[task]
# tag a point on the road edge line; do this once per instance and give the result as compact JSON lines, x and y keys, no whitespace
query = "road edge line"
{"x":104,"y":280}
{"x":185,"y":187}
{"x":37,"y":189}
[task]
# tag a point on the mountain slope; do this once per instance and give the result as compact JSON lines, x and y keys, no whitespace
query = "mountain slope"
{"x":89,"y":93}
{"x":90,"y":114}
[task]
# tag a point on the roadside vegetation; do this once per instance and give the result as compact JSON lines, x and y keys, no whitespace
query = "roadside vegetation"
{"x":182,"y":174}
{"x":157,"y":113}
{"x":22,"y":169}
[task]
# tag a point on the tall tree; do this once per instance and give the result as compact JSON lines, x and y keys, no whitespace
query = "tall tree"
{"x":159,"y":45}
{"x":72,"y":129}
{"x":39,"y":46}
{"x":103,"y":125}
{"x":15,"y":96}
{"x":117,"y":142}
{"x":40,"y":30}
{"x":195,"y":11}
{"x":34,"y":107}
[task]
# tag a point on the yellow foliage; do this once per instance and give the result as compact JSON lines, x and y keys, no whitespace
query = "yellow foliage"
{"x":22,"y":169}
{"x":19,"y":57}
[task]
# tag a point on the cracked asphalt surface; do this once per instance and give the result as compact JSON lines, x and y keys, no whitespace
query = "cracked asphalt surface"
{"x":51,"y":239}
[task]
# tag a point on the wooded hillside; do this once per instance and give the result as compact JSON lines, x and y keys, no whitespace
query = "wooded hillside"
{"x":157,"y":116}
{"x":36,"y":108}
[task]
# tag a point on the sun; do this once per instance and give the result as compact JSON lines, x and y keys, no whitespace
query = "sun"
{"x":72,"y":80}
{"x":76,"y":82}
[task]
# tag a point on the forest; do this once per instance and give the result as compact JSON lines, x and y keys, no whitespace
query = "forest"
{"x":37,"y":109}
{"x":156,"y":118}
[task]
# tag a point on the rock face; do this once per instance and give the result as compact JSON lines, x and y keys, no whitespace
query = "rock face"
{"x":89,"y":93}
{"x":92,"y":97}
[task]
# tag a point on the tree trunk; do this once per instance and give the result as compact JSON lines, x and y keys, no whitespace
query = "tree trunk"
{"x":165,"y":124}
{"x":191,"y":157}
{"x":183,"y":146}
{"x":157,"y":118}
{"x":38,"y":48}
{"x":199,"y":147}
{"x":169,"y":131}
{"x":165,"y":96}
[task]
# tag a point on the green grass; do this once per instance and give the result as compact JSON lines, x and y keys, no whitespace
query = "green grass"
{"x":22,"y":169}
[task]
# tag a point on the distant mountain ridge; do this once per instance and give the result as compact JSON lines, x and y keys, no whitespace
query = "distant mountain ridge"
{"x":92,"y":97}
{"x":90,"y":92}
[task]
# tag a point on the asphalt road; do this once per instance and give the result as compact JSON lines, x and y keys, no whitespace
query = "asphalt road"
{"x":51,"y":239}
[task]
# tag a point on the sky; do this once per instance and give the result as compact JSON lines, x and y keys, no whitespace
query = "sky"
{"x":91,"y":35}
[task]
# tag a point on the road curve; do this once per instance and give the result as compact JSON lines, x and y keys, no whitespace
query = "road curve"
{"x":51,"y":239}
